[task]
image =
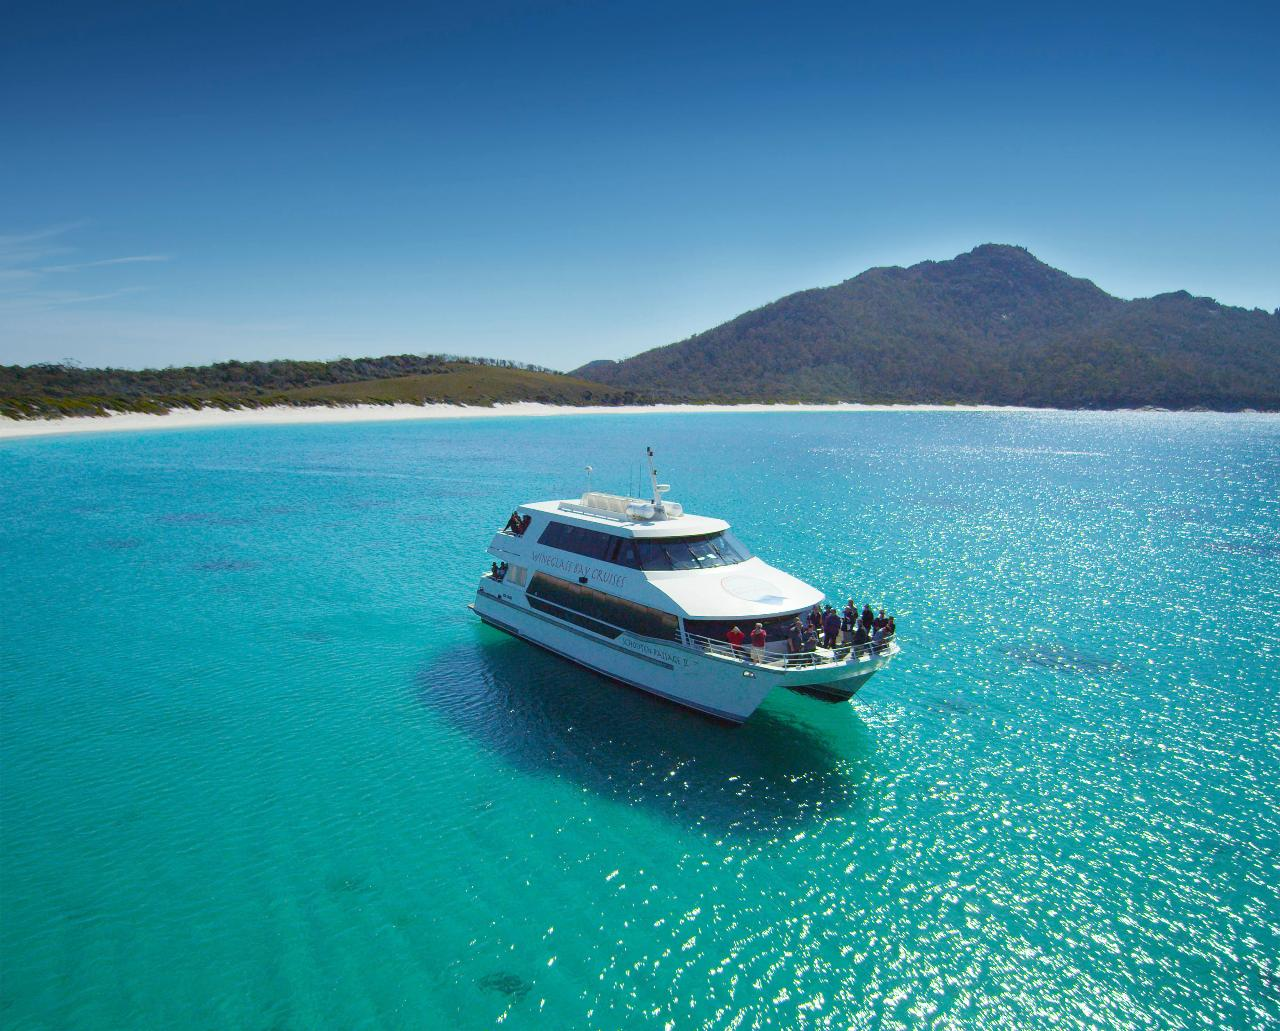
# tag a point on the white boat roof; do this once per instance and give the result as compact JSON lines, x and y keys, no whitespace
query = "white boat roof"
{"x":620,"y":524}
{"x":745,"y":590}
{"x":749,"y":589}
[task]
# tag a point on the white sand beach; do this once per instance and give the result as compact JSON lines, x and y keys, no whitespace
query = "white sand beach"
{"x":208,"y":418}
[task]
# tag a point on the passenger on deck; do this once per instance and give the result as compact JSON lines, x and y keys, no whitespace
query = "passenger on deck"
{"x":860,"y":639}
{"x":493,"y":570}
{"x":795,"y":637}
{"x":524,"y":524}
{"x":867,"y":615}
{"x":880,"y":622}
{"x":830,"y":628}
{"x":844,"y":639}
{"x":759,"y":638}
{"x":514,"y":524}
{"x":877,"y":638}
{"x":735,"y":637}
{"x":815,"y":618}
{"x":811,"y":646}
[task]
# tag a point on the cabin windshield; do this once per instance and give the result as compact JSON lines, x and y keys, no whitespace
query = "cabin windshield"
{"x":704,"y":551}
{"x":716,"y":549}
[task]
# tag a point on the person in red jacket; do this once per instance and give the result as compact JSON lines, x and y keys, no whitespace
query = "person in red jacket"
{"x":759,"y":638}
{"x":735,"y":637}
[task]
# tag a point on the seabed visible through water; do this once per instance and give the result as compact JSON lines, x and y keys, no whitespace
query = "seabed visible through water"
{"x":262,"y":768}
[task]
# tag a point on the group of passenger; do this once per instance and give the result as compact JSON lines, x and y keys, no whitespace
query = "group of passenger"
{"x":759,"y":638}
{"x":863,"y":633}
{"x":517,"y":524}
{"x":498,"y":572}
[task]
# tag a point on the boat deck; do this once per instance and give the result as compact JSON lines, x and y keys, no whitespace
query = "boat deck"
{"x":776,"y":660}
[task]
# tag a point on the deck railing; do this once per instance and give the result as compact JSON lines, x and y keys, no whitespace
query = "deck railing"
{"x":772,"y":656}
{"x":780,"y":658}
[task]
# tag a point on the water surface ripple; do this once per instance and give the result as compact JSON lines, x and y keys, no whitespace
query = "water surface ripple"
{"x":262,"y":769}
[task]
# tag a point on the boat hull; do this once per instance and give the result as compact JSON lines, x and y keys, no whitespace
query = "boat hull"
{"x":720,"y":685}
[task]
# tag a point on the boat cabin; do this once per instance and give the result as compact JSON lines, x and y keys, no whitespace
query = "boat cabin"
{"x":578,"y":560}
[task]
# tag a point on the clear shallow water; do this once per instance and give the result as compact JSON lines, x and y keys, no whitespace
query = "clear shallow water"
{"x":261,"y":768}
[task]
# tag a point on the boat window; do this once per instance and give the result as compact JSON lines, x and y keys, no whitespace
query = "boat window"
{"x":625,"y":553}
{"x":652,"y":555}
{"x":775,"y":626}
{"x":702,"y":552}
{"x":596,"y":611}
{"x":587,"y":543}
{"x":579,"y":540}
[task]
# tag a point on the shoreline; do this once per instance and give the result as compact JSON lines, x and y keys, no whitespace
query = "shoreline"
{"x":210,"y":418}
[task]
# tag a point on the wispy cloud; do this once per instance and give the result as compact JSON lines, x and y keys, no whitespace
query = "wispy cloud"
{"x":27,"y":248}
{"x":101,"y":262}
{"x":45,"y":299}
{"x":29,"y":259}
{"x":31,"y":236}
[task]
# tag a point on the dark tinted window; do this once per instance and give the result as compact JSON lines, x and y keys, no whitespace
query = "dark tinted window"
{"x":592,"y":609}
{"x":582,"y":541}
{"x":651,"y":555}
{"x":625,"y":555}
{"x":588,"y":543}
{"x":702,"y":552}
{"x":776,"y":626}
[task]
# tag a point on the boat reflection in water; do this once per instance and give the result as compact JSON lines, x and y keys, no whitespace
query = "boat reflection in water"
{"x":794,"y":763}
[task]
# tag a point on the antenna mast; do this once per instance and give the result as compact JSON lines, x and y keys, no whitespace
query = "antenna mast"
{"x":653,"y":480}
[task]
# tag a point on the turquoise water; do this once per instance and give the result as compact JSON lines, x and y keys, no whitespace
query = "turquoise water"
{"x":262,"y":769}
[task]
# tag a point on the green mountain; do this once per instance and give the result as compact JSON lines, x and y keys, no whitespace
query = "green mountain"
{"x":34,"y":391}
{"x":994,"y":326}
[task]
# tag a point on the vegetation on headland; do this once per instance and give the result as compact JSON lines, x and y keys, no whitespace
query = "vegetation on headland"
{"x":470,"y":384}
{"x":993,"y":326}
{"x":55,"y":391}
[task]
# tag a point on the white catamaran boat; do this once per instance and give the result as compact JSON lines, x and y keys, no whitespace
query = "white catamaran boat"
{"x":644,"y":593}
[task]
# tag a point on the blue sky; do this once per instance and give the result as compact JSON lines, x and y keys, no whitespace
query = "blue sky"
{"x":556,"y":182}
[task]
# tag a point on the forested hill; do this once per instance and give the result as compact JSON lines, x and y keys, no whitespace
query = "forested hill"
{"x":994,"y":326}
{"x":33,"y":391}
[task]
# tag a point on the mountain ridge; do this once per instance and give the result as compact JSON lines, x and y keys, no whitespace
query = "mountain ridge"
{"x":994,"y":325}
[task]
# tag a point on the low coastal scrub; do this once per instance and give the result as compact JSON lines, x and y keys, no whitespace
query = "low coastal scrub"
{"x":232,"y":379}
{"x":61,"y":391}
{"x":37,"y":407}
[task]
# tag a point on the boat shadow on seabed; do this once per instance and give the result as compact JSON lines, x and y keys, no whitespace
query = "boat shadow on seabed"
{"x":786,"y":768}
